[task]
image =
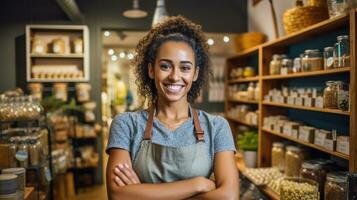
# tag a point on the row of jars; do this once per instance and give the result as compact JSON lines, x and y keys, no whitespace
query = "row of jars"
{"x":331,"y":185}
{"x":19,"y":108}
{"x":60,"y":91}
{"x":313,"y":60}
{"x":240,"y":72}
{"x":25,"y":151}
{"x":58,"y":46}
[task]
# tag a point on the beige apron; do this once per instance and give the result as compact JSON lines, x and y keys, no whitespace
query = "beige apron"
{"x":156,"y":163}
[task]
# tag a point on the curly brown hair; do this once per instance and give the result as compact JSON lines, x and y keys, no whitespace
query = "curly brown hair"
{"x":176,"y":28}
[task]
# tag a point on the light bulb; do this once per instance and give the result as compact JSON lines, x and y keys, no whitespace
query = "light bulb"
{"x":226,"y":39}
{"x":114,"y":58}
{"x":210,"y":41}
{"x":106,"y":33}
{"x":122,"y":55}
{"x":110,"y":51}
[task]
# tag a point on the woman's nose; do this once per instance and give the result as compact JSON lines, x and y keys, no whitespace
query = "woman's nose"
{"x":175,"y":74}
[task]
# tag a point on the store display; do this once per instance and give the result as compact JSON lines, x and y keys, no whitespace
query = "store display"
{"x":293,"y":161}
{"x":312,"y":60}
{"x":278,"y":156}
{"x":336,"y":186}
{"x":60,"y":91}
{"x":329,"y":59}
{"x":298,"y":189}
{"x":342,"y":51}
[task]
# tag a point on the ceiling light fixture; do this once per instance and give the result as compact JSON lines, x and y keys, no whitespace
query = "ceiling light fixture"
{"x":135,"y":12}
{"x":210,"y":41}
{"x":226,"y":39}
{"x":160,"y":12}
{"x":130,"y":56}
{"x":106,"y":33}
{"x":110,"y":51}
{"x":122,"y":55}
{"x":114,"y":58}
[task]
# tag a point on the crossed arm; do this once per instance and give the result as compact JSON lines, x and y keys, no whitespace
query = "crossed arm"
{"x":123,"y":183}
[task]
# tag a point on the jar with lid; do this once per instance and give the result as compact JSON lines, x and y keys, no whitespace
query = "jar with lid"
{"x":342,"y":96}
{"x":250,"y":91}
{"x":312,"y":60}
{"x":336,"y":186}
{"x":22,"y":152}
{"x":12,"y":152}
{"x":60,"y":91}
{"x":35,"y":90}
{"x":298,"y":189}
{"x":39,"y":46}
{"x":297,"y":65}
{"x":275,"y":65}
{"x":329,"y":57}
{"x":78,"y":46}
{"x":256,"y":92}
{"x":83,"y":92}
{"x":342,"y":51}
{"x":34,"y":147}
{"x":278,"y":156}
{"x":248,"y":72}
{"x":330,"y":95}
{"x":286,"y":66}
{"x":293,"y":160}
{"x":314,"y":171}
{"x":58,"y":46}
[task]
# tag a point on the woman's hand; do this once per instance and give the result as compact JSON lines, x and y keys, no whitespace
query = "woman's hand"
{"x":125,"y":175}
{"x":204,"y":184}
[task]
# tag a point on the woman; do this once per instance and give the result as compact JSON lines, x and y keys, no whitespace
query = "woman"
{"x":170,"y":151}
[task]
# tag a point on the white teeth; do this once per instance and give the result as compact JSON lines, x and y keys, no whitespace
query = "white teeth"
{"x":173,"y":88}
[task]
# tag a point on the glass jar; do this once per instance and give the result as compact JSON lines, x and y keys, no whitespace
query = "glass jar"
{"x":39,"y":46}
{"x":256,"y":92}
{"x":329,"y":57}
{"x":58,"y":46}
{"x":298,"y":188}
{"x":248,"y":72}
{"x":12,"y":152}
{"x":297,"y":65}
{"x":250,"y":91}
{"x":60,"y":91}
{"x":330,"y":95}
{"x":293,"y":160}
{"x":286,"y":66}
{"x":338,"y":7}
{"x":336,"y":186}
{"x":34,"y":151}
{"x":314,"y":171}
{"x":35,"y":90}
{"x":343,"y":96}
{"x":83,"y":92}
{"x":78,"y":46}
{"x":342,"y":51}
{"x":22,"y":154}
{"x":312,"y":60}
{"x":278,"y":156}
{"x":275,"y":65}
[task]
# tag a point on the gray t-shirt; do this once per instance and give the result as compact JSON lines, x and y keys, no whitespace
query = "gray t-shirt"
{"x":127,"y":132}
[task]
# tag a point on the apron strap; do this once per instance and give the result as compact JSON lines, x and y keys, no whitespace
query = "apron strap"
{"x":148,"y":129}
{"x":149,"y":123}
{"x":198,"y":129}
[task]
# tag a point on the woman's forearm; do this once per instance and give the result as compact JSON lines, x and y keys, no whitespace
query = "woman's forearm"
{"x":219,"y":193}
{"x":175,"y":190}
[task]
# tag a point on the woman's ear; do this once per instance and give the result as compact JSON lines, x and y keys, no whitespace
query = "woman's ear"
{"x":151,"y":71}
{"x":195,"y":76}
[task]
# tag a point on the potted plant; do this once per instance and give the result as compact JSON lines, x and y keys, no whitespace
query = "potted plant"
{"x":248,"y":143}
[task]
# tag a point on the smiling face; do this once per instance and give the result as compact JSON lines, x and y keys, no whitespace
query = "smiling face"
{"x":174,"y":71}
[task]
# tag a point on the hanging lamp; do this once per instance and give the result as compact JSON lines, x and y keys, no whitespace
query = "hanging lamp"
{"x":135,"y":12}
{"x":160,"y":12}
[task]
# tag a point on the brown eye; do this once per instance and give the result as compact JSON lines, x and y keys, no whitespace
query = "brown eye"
{"x":185,"y":68}
{"x":165,"y":66}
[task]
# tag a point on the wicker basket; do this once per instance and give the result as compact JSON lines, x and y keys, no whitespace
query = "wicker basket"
{"x":301,"y":17}
{"x":247,"y":40}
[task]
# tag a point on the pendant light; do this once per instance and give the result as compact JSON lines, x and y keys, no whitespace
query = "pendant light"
{"x":135,"y":12}
{"x":160,"y":12}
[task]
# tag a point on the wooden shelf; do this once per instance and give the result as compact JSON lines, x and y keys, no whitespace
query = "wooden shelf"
{"x":59,"y":80}
{"x":243,"y":101}
{"x":243,"y":80}
{"x":246,"y":52}
{"x":311,"y":31}
{"x":240,"y":121}
{"x":314,"y":146}
{"x":306,"y":74}
{"x":326,"y":110}
{"x":57,"y":55}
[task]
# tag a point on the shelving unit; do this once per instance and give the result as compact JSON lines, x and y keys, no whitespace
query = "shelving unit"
{"x":49,"y":66}
{"x":292,"y":45}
